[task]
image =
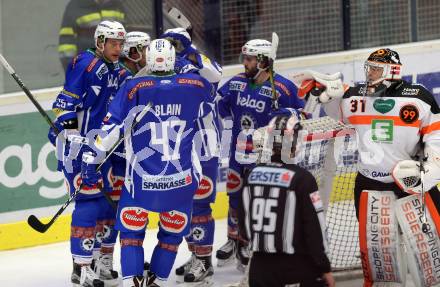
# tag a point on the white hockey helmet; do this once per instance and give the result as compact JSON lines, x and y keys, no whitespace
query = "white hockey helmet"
{"x":137,"y":40}
{"x":161,"y":56}
{"x":109,"y":30}
{"x":257,"y":47}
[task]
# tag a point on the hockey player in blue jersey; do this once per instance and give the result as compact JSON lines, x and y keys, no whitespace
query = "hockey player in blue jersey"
{"x":133,"y":59}
{"x":91,"y":79}
{"x":200,"y":241}
{"x":247,"y":99}
{"x":160,"y":174}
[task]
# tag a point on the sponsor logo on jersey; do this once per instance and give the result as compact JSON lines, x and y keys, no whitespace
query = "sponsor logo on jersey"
{"x":380,"y":174}
{"x":138,"y":86}
{"x":409,"y":113}
{"x":173,"y":221}
{"x":205,"y":188}
{"x":247,"y":101}
{"x":271,"y":176}
{"x":315,"y":197}
{"x":237,"y":86}
{"x":382,"y":130}
{"x":165,"y":82}
{"x":92,"y":64}
{"x":410,"y":92}
{"x":101,"y":71}
{"x":134,"y":218}
{"x":166,"y":182}
{"x":190,"y":82}
{"x":233,"y":182}
{"x":384,"y":106}
{"x":267,"y":92}
{"x":283,"y":87}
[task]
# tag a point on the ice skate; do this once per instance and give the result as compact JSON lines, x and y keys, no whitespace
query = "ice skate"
{"x":182,"y":270}
{"x":84,"y":276}
{"x":226,"y":253}
{"x":137,"y":281}
{"x":243,"y":255}
{"x":200,"y":273}
{"x":103,"y":268}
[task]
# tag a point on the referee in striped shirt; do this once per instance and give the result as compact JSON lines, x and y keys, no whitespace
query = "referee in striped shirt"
{"x":282,"y":216}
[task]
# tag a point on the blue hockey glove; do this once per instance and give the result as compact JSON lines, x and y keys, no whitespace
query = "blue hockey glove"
{"x":90,"y":176}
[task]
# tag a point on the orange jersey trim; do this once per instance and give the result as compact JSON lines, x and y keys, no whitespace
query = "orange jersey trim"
{"x":367,"y":120}
{"x":431,"y":128}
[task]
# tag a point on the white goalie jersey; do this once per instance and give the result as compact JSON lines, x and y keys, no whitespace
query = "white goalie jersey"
{"x":392,"y":125}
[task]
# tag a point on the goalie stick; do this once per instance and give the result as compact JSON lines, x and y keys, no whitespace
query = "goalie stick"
{"x":425,"y":228}
{"x":36,"y":224}
{"x":272,"y":57}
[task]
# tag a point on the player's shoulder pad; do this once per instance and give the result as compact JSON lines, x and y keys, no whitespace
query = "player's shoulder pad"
{"x":284,"y":85}
{"x":88,"y":62}
{"x":418,"y":91}
{"x":135,"y":84}
{"x":357,"y":90}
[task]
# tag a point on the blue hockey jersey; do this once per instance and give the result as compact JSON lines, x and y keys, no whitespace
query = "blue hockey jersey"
{"x":160,"y":173}
{"x":250,"y":105}
{"x":90,"y":83}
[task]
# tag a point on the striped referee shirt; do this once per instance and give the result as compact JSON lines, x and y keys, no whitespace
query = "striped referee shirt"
{"x":282,"y":212}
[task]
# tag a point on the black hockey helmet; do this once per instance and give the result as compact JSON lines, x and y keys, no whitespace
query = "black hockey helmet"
{"x":279,"y":138}
{"x":386,"y":56}
{"x":389,"y":61}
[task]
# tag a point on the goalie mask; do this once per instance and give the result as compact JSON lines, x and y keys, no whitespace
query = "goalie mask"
{"x":135,"y":42}
{"x":278,"y":139}
{"x":382,"y":65}
{"x":161,"y":56}
{"x":260,"y":49}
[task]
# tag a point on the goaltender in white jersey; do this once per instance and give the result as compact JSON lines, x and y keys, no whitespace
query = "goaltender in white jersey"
{"x":398,"y":129}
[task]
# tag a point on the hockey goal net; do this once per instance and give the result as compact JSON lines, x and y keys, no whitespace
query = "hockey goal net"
{"x":328,"y":149}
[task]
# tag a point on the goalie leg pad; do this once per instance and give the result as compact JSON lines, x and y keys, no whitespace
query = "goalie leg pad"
{"x":423,"y":249}
{"x":381,"y":254}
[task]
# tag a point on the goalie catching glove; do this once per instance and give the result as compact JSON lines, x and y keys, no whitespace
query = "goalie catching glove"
{"x":408,"y":175}
{"x":324,"y":87}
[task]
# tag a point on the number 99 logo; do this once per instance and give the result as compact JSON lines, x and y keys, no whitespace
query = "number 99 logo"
{"x":409,"y":114}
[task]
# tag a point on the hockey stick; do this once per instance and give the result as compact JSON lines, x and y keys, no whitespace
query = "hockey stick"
{"x":28,"y":93}
{"x":178,"y":19}
{"x":36,"y":224}
{"x":425,"y":228}
{"x":272,"y":57}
